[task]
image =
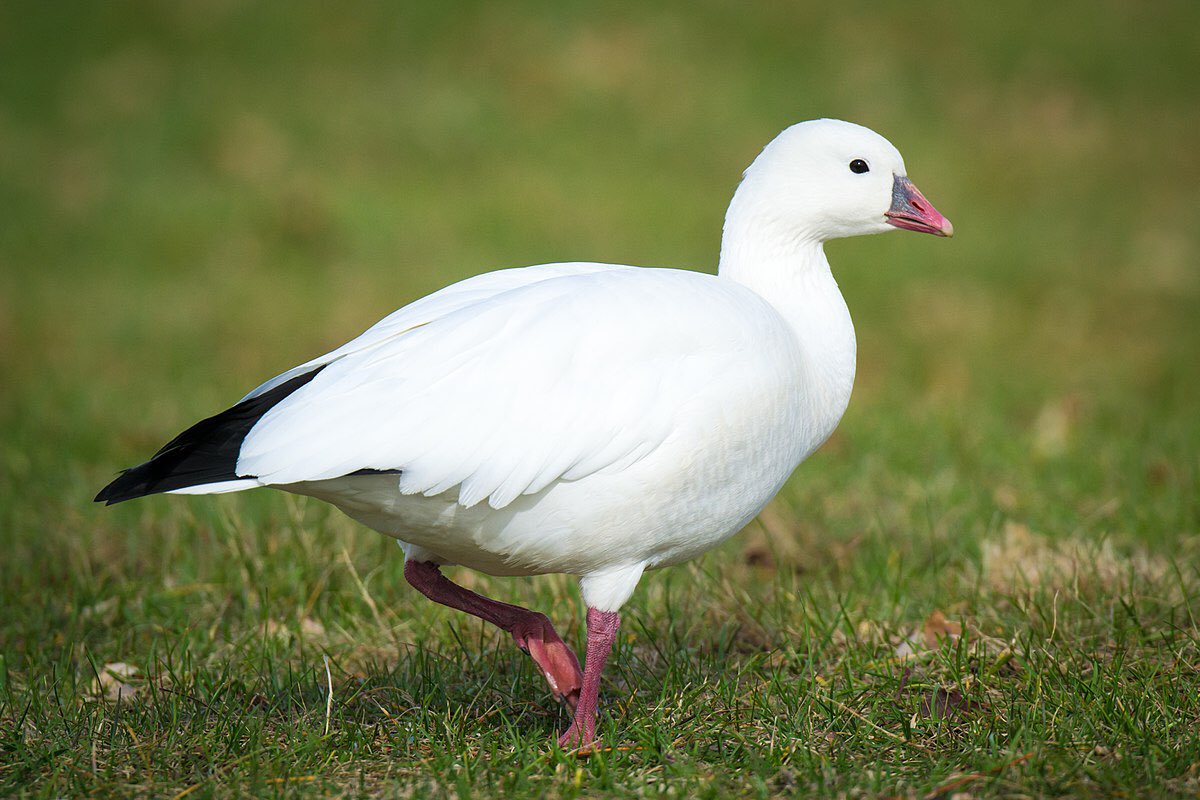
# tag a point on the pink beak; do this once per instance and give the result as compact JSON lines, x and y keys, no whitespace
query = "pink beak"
{"x":912,"y":212}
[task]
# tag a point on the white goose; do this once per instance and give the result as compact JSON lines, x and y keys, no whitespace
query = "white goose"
{"x":590,"y":419}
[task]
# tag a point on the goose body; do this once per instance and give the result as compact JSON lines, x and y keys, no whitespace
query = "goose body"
{"x":609,"y":419}
{"x":590,"y":419}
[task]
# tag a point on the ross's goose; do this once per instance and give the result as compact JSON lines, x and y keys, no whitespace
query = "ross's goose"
{"x":591,"y":419}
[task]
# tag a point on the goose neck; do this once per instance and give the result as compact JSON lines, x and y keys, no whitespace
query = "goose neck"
{"x":794,"y":277}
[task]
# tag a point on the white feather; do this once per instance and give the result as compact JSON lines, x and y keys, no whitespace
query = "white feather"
{"x":220,"y":487}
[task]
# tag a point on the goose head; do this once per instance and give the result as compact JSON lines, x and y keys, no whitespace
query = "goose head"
{"x":827,"y":179}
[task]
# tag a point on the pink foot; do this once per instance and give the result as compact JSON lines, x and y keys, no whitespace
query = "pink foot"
{"x":536,"y":636}
{"x":579,"y":737}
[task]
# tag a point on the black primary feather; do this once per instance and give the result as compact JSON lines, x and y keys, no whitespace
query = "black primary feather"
{"x":207,"y":452}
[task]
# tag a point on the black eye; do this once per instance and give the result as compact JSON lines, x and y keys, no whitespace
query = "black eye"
{"x":858,"y":166}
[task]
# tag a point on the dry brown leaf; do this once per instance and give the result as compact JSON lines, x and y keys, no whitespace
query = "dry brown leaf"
{"x":937,"y":627}
{"x":949,"y":705}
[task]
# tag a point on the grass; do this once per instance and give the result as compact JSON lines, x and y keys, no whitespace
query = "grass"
{"x":985,"y":584}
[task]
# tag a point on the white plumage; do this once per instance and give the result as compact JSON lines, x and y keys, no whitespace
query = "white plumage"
{"x":596,"y":419}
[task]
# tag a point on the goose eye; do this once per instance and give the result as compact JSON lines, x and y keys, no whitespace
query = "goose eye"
{"x":858,"y":166}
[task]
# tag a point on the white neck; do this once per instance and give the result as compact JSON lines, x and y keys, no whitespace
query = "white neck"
{"x":791,"y":273}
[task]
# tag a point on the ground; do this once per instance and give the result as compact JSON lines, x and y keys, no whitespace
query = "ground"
{"x":985,"y":585}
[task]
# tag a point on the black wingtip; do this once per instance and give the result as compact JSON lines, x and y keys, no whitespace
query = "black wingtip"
{"x":130,"y":484}
{"x":207,"y":452}
{"x":109,"y":494}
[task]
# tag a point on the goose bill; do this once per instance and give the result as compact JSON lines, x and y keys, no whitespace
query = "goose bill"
{"x":912,"y":212}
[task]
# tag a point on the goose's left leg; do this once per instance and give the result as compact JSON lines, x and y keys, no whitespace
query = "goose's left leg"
{"x":532,"y":631}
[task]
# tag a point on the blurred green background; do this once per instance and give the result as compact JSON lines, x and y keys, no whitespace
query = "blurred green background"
{"x":197,"y":195}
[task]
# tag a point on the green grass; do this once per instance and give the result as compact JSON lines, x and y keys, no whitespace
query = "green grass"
{"x":196,"y":196}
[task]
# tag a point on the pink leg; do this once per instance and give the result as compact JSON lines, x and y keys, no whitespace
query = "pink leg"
{"x":532,"y":631}
{"x":602,"y":629}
